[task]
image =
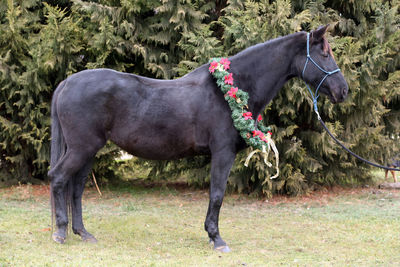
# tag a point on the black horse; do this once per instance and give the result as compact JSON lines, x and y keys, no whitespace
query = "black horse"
{"x":171,"y":119}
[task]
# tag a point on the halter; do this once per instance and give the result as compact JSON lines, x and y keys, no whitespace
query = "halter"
{"x":327,"y":73}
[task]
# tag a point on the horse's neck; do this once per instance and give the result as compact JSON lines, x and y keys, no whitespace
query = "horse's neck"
{"x":264,"y":69}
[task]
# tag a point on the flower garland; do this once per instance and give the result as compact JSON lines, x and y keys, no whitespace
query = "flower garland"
{"x":254,"y":133}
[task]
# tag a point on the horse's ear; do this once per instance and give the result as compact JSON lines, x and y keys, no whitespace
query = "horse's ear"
{"x":318,"y":34}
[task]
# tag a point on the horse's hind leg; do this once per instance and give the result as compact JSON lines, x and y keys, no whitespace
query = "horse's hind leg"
{"x":69,"y":165}
{"x":78,"y":186}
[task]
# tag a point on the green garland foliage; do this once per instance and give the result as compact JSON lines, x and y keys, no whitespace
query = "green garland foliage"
{"x":254,"y":133}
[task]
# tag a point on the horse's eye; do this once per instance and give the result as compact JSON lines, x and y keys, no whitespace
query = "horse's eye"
{"x":325,"y":54}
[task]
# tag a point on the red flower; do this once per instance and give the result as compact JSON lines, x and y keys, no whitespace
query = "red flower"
{"x":257,"y":133}
{"x":247,"y":116}
{"x":229,"y":79}
{"x":225,"y":62}
{"x":213,"y":66}
{"x":260,"y":135}
{"x":232,"y":92}
{"x":259,"y":118}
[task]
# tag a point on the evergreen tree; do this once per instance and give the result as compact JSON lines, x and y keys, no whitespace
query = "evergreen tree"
{"x":138,"y":36}
{"x":41,"y":44}
{"x":33,"y":59}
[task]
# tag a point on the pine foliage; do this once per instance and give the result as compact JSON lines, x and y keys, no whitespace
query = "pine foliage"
{"x":31,"y":63}
{"x":42,"y":43}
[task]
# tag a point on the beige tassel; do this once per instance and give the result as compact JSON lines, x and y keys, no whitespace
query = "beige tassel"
{"x":265,"y":152}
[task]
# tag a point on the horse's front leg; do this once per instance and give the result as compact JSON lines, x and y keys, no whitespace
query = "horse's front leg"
{"x":221,"y":164}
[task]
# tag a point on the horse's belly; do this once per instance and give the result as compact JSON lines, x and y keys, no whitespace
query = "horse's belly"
{"x":162,"y":143}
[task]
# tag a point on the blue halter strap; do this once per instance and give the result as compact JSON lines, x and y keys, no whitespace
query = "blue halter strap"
{"x":327,"y":73}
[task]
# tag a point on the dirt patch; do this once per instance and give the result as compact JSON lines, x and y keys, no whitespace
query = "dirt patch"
{"x":322,"y":196}
{"x":41,"y":190}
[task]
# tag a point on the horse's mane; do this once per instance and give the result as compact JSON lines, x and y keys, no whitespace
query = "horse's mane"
{"x":268,"y":43}
{"x":325,"y":45}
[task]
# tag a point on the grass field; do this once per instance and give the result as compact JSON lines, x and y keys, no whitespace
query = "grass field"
{"x":163,"y":226}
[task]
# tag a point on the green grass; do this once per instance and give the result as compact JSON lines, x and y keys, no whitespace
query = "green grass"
{"x":161,"y":226}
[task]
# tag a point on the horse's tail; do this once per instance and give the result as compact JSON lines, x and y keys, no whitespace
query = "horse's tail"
{"x":57,"y":138}
{"x":57,"y":149}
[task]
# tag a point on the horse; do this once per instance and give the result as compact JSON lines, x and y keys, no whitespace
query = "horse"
{"x":170,"y":119}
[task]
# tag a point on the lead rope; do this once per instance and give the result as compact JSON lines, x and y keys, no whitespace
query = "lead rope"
{"x":314,"y":98}
{"x":354,"y":154}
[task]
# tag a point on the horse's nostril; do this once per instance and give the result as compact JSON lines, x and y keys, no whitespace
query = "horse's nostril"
{"x":344,"y":92}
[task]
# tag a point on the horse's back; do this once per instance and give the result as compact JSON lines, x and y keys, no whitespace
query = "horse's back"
{"x":87,"y":84}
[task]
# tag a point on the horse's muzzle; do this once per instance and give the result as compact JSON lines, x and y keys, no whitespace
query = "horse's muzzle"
{"x":339,"y":95}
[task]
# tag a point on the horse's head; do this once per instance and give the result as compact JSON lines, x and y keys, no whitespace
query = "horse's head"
{"x":318,"y":67}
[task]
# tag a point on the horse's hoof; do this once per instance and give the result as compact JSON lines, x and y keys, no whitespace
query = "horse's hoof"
{"x":85,"y":236}
{"x":224,"y":249}
{"x":89,"y":239}
{"x":58,"y":239}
